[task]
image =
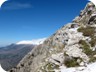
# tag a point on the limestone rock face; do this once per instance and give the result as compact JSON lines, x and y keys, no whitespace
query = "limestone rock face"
{"x":72,"y":45}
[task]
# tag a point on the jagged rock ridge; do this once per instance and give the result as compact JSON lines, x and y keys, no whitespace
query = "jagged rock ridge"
{"x":73,"y":45}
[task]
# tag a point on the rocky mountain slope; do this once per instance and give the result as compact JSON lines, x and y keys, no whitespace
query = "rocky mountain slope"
{"x":73,"y":45}
{"x":11,"y":55}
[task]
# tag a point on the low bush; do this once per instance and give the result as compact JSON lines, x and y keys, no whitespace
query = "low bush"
{"x":87,"y":31}
{"x":85,"y":47}
{"x":93,"y":41}
{"x":71,"y":62}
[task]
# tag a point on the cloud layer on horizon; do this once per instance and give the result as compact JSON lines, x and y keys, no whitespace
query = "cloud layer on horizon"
{"x":34,"y":41}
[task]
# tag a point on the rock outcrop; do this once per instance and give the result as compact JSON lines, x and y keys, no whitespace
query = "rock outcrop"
{"x":73,"y":45}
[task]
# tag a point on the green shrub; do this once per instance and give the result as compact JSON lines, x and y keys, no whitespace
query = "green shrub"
{"x":85,"y":47}
{"x":92,"y":59}
{"x":91,"y":56}
{"x":93,"y":41}
{"x":71,"y":62}
{"x":50,"y":67}
{"x":87,"y":31}
{"x":87,"y":50}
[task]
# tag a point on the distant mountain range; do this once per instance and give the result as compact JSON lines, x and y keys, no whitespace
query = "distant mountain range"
{"x":12,"y":54}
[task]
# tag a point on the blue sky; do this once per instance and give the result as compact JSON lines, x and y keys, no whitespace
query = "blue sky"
{"x":33,"y":19}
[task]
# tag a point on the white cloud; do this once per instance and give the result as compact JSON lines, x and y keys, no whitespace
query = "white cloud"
{"x":34,"y":41}
{"x":16,"y":5}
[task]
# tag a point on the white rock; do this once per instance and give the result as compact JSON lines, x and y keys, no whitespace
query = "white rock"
{"x":82,"y":64}
{"x":57,"y":58}
{"x":73,"y":50}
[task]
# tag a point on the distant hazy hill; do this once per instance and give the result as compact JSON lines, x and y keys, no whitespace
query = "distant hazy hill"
{"x":12,"y":54}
